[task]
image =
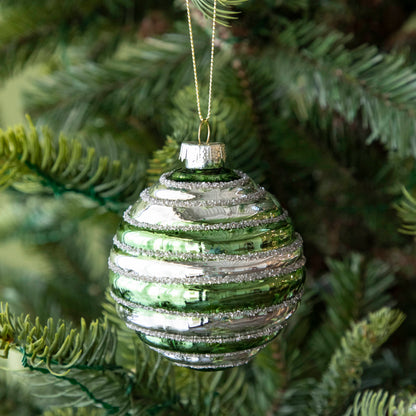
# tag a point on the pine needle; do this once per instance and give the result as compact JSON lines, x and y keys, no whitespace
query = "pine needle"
{"x":32,"y":158}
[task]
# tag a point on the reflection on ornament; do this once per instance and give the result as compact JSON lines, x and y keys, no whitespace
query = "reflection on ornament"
{"x":206,"y":266}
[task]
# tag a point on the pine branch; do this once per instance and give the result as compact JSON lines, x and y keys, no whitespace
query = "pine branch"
{"x":274,"y":9}
{"x":351,"y":186}
{"x":33,"y":163}
{"x":380,"y":403}
{"x":406,"y":210}
{"x":314,"y":65}
{"x":82,"y":411}
{"x":80,"y":364}
{"x":155,"y":387}
{"x":58,"y":345}
{"x":224,"y":14}
{"x":269,"y":388}
{"x":129,"y":344}
{"x":357,"y":287}
{"x":108,"y":390}
{"x":346,"y":366}
{"x":78,"y":368}
{"x":152,"y":72}
{"x":163,"y":160}
{"x":31,"y":32}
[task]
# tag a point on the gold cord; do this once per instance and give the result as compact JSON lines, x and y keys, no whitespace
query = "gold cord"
{"x":204,"y":120}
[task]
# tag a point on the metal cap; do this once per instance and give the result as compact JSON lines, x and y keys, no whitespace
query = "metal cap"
{"x":202,"y":156}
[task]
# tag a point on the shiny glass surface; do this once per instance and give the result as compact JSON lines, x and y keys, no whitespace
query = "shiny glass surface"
{"x":206,"y":268}
{"x":210,"y":297}
{"x":205,"y":347}
{"x":234,"y":241}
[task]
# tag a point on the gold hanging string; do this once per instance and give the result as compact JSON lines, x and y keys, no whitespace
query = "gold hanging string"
{"x":204,"y":120}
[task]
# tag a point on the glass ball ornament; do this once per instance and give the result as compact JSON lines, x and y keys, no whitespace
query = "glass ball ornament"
{"x":206,"y":266}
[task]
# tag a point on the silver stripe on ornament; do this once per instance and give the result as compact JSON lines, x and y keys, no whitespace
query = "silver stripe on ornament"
{"x":272,"y":330}
{"x":204,"y":227}
{"x":178,"y":203}
{"x":210,"y":325}
{"x":206,"y":279}
{"x":171,"y":216}
{"x":187,"y":269}
{"x":205,"y":360}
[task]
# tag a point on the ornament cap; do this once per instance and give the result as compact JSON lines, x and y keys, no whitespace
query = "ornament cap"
{"x":202,"y":156}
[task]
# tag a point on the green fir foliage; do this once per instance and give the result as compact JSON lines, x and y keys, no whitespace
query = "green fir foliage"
{"x":316,"y":66}
{"x":346,"y":365}
{"x":406,"y":209}
{"x":74,"y":95}
{"x":357,"y":287}
{"x":32,"y":161}
{"x":56,"y":343}
{"x":27,"y":36}
{"x":82,"y":411}
{"x":83,"y":358}
{"x":380,"y":403}
{"x":163,"y":160}
{"x":223,"y":8}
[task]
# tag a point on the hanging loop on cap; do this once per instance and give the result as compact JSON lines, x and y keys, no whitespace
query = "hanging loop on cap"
{"x":204,"y":122}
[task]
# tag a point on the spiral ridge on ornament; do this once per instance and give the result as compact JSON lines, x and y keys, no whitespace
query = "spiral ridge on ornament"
{"x":206,"y":269}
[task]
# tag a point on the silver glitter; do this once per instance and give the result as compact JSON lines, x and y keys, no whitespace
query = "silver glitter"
{"x":282,"y":252}
{"x":214,"y":366}
{"x":243,"y":199}
{"x":210,"y":366}
{"x":207,"y":339}
{"x":204,"y":227}
{"x":210,"y":280}
{"x":169,"y":183}
{"x":235,"y":314}
{"x":210,"y":361}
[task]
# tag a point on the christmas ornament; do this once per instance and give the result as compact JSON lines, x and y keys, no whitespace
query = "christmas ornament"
{"x":206,"y":266}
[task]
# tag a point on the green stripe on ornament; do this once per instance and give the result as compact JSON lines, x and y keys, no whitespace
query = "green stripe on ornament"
{"x":204,"y":175}
{"x":234,"y":241}
{"x":193,"y":345}
{"x":211,"y":297}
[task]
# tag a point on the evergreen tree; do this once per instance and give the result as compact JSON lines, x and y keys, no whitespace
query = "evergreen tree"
{"x":314,"y":99}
